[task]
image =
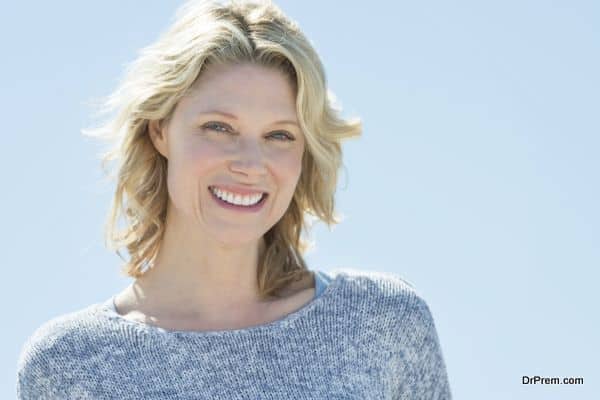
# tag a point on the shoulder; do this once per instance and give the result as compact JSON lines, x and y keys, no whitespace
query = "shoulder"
{"x":405,"y":327}
{"x":51,"y":351}
{"x":370,"y":278}
{"x":385,"y":285}
{"x":401,"y":322}
{"x":386,"y":294}
{"x":53,"y":334}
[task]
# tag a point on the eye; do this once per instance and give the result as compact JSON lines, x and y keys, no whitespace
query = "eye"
{"x":284,"y":135}
{"x":215,"y":126}
{"x":220,"y":127}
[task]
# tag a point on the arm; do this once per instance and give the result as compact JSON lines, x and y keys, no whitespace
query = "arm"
{"x":422,"y":369}
{"x":33,"y":382}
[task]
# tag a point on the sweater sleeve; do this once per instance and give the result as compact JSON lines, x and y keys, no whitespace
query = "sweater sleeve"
{"x":38,"y":366}
{"x":423,"y":369}
{"x":33,"y":380}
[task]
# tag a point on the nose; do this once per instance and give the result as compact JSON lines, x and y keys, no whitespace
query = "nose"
{"x":249,"y":158}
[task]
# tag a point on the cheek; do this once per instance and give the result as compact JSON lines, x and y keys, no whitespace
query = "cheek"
{"x":287,"y":167}
{"x":185,"y":168}
{"x":197,"y":157}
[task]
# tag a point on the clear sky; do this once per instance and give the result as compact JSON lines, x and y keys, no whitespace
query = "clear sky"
{"x":476,"y":178}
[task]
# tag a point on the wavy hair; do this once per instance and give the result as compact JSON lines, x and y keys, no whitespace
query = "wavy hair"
{"x":206,"y":33}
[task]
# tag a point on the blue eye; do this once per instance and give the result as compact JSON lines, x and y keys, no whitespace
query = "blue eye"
{"x":285,"y":135}
{"x":212,"y":125}
{"x":219,"y":127}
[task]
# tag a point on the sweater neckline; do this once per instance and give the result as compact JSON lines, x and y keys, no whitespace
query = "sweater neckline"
{"x":327,"y":281}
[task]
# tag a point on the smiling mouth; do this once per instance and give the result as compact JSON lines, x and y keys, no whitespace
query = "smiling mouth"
{"x":258,"y":204}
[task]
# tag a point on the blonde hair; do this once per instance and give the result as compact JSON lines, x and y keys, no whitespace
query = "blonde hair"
{"x":206,"y":33}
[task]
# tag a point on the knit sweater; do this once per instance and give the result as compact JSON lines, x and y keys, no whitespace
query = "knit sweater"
{"x":365,"y":335}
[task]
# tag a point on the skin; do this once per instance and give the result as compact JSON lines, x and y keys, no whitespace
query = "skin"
{"x":204,"y":276}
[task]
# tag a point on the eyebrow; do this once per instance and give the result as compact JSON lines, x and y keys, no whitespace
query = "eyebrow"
{"x":232,"y":116}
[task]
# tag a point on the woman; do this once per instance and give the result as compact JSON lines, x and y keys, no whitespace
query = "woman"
{"x":226,"y":139}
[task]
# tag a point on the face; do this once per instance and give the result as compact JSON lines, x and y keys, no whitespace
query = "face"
{"x":237,"y":131}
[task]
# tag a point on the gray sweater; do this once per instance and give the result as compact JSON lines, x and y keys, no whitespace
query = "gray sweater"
{"x":365,"y":335}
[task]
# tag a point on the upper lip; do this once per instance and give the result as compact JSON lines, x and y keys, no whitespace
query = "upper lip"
{"x":241,"y":190}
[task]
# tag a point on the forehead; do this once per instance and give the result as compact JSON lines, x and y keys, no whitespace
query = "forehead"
{"x":245,"y":87}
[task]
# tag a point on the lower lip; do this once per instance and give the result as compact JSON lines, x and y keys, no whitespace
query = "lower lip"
{"x":254,"y":208}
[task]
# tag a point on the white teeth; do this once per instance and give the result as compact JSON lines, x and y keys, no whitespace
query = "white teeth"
{"x":246,"y":200}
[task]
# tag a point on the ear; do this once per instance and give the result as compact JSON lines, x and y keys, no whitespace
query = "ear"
{"x":157,"y":133}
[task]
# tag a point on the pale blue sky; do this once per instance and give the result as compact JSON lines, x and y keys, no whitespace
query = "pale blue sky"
{"x":476,"y":178}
